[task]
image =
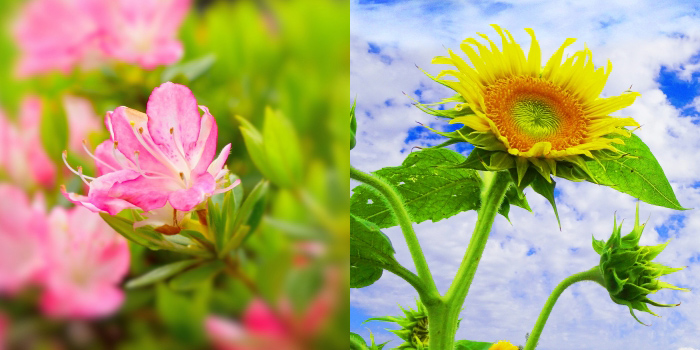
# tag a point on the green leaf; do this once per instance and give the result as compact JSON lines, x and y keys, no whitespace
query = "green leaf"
{"x":180,"y":315}
{"x":353,"y":125}
{"x":222,"y":209}
{"x":431,"y":188}
{"x":546,"y":189}
{"x":190,"y":70}
{"x":282,"y":148}
{"x":141,"y":236}
{"x":238,"y":228}
{"x":638,"y":175}
{"x":471,"y":345}
{"x":195,"y":277}
{"x":160,"y":273}
{"x":357,"y":343}
{"x":370,"y":249}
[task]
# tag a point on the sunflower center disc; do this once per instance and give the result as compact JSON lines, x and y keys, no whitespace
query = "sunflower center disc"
{"x":535,"y":118}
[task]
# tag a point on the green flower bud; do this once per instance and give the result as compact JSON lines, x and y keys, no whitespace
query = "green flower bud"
{"x":628,"y":272}
{"x":414,"y":327}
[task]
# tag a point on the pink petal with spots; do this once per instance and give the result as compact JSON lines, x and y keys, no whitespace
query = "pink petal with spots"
{"x":173,"y":107}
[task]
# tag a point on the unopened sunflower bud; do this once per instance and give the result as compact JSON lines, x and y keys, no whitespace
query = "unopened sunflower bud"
{"x":628,"y":272}
{"x":414,"y":327}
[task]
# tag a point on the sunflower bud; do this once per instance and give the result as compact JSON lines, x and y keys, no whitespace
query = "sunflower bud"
{"x":628,"y":272}
{"x":414,"y":327}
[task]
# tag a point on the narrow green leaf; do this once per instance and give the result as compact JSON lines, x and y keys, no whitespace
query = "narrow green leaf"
{"x":471,"y":345}
{"x":190,"y":70}
{"x":195,"y":277}
{"x":431,"y":188}
{"x":251,"y":211}
{"x":126,"y":228}
{"x":546,"y":189}
{"x":160,"y":273}
{"x":357,"y":343}
{"x":638,"y":175}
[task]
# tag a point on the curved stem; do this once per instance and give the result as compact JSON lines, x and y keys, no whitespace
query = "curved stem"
{"x":409,"y":234}
{"x":444,"y":317}
{"x":590,"y":275}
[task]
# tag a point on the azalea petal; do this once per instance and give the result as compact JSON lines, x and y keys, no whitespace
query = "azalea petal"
{"x":173,"y":119}
{"x":218,"y":163}
{"x":186,"y":199}
{"x":106,"y":158}
{"x":260,"y":319}
{"x":100,"y":189}
{"x":128,"y":143}
{"x":143,"y":192}
{"x":203,"y":153}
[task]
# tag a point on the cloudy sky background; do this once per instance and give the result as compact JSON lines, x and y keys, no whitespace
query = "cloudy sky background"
{"x":655,"y":48}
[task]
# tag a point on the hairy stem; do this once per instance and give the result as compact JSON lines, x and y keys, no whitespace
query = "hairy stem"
{"x":429,"y":293}
{"x":590,"y":275}
{"x":444,"y":317}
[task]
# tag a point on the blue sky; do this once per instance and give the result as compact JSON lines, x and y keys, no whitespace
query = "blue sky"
{"x":655,"y":48}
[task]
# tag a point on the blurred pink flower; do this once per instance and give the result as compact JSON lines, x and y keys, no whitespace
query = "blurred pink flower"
{"x":82,"y":120}
{"x":144,"y":32}
{"x":23,"y":232}
{"x":57,"y":34}
{"x":86,"y":261}
{"x":4,"y":325}
{"x":163,"y":157}
{"x":63,"y":34}
{"x":263,"y":328}
{"x":22,"y":154}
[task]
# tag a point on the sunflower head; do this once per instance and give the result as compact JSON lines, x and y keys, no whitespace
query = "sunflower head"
{"x":523,"y":115}
{"x":627,"y":270}
{"x":503,"y":345}
{"x":414,"y":327}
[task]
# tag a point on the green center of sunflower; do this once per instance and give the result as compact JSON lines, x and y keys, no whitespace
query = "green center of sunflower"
{"x":535,"y":118}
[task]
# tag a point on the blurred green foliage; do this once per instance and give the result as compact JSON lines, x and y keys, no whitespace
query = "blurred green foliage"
{"x":242,"y":58}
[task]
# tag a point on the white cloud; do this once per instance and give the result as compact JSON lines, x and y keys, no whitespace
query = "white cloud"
{"x":510,"y":287}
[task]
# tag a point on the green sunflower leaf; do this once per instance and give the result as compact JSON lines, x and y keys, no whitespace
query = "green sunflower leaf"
{"x":638,"y":175}
{"x":471,"y":345}
{"x":430,"y":186}
{"x":370,"y":251}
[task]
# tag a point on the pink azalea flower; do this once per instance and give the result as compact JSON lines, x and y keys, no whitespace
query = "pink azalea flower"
{"x":4,"y":325}
{"x":161,"y":160}
{"x":57,"y":35}
{"x":23,"y":231}
{"x":144,"y":32}
{"x":263,"y":328}
{"x":86,"y":261}
{"x":22,"y":154}
{"x":63,"y":34}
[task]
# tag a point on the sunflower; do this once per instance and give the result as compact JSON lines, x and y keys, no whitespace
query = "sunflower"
{"x":503,"y":345}
{"x":521,"y":114}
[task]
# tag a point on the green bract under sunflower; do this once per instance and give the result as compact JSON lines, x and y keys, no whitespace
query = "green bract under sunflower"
{"x":628,"y":272}
{"x":414,"y":327}
{"x":522,"y":115}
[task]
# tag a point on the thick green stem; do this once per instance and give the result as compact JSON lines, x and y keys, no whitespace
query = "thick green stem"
{"x":590,"y":275}
{"x":444,"y":317}
{"x":429,"y":294}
